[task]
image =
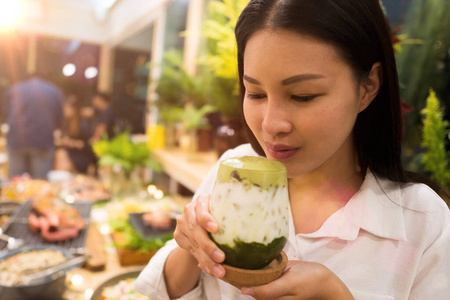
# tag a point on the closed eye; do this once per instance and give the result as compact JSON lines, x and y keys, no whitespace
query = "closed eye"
{"x":304,"y":98}
{"x":255,"y":96}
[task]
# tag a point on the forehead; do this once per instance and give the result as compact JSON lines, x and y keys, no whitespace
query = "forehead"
{"x":284,"y":50}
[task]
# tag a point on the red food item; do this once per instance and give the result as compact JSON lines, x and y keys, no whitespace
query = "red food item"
{"x":44,"y":224}
{"x":57,"y":221}
{"x":34,"y":223}
{"x":60,"y":235}
{"x":68,"y":216}
{"x":157,"y":220}
{"x":52,"y":217}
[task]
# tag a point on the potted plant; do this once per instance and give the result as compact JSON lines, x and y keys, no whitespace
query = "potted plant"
{"x":183,"y":99}
{"x":122,"y":159}
{"x":220,"y":60}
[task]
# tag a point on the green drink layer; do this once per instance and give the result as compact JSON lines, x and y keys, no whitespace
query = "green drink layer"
{"x":253,"y":171}
{"x":254,"y":255}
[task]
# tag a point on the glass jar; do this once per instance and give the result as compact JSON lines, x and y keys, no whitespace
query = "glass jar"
{"x":251,"y":205}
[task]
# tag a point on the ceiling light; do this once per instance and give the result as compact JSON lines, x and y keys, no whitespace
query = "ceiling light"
{"x":69,"y":69}
{"x":91,"y":72}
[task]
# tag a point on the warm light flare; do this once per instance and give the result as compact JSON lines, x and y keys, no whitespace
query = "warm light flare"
{"x":9,"y":14}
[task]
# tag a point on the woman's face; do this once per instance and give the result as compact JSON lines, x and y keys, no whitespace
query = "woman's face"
{"x":301,"y":101}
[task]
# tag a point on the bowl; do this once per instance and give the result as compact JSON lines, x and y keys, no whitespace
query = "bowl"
{"x":51,"y":287}
{"x":97,"y":295}
{"x":243,"y":277}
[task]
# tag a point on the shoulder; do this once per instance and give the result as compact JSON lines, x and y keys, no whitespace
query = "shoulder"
{"x":49,"y":87}
{"x":420,"y":197}
{"x":409,"y":211}
{"x":425,"y":211}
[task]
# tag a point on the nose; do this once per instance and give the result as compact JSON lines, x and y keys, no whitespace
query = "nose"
{"x":277,"y":118}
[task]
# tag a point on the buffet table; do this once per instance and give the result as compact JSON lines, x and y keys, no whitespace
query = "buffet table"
{"x":81,"y":283}
{"x":110,"y":236}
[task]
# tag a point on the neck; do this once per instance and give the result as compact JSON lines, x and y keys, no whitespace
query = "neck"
{"x":340,"y":173}
{"x":315,"y":196}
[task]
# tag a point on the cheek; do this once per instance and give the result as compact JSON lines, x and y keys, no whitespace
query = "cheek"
{"x":252,"y":116}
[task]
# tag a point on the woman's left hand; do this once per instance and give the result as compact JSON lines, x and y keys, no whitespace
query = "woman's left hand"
{"x":302,"y":280}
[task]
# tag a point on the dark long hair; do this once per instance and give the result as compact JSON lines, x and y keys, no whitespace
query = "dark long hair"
{"x":360,"y":32}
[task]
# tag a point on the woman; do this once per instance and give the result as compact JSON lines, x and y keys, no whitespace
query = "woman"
{"x":75,"y":153}
{"x":320,"y":94}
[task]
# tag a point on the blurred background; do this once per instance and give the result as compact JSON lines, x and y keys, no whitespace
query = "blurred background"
{"x":168,"y":65}
{"x":142,"y":99}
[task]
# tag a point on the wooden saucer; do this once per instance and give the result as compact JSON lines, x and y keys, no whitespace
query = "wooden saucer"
{"x":242,"y":277}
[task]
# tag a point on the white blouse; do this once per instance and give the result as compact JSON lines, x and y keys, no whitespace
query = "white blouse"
{"x":388,"y":242}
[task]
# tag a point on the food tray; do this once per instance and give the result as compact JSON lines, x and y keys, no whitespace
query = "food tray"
{"x":147,"y":232}
{"x":18,"y":227}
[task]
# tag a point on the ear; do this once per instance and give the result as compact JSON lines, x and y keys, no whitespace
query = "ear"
{"x":369,"y":88}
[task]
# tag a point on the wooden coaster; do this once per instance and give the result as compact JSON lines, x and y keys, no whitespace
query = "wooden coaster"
{"x":242,"y":277}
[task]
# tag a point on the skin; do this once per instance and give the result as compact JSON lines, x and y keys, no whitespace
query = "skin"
{"x":302,"y":113}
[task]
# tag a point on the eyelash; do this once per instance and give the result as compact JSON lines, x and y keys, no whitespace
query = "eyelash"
{"x":304,"y":98}
{"x":295,"y":98}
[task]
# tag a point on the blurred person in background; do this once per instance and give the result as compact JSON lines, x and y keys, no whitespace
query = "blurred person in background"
{"x":33,"y":110}
{"x":74,"y":151}
{"x":105,"y":116}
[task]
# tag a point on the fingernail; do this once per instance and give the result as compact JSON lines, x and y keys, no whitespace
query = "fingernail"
{"x":218,"y":271}
{"x":211,"y":226}
{"x":218,"y":256}
{"x":247,"y":291}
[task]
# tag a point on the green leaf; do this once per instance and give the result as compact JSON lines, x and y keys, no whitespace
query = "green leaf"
{"x":134,"y":240}
{"x":435,"y":130}
{"x":123,"y":152}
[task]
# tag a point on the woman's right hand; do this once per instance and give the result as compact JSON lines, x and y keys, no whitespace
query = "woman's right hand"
{"x":191,"y":234}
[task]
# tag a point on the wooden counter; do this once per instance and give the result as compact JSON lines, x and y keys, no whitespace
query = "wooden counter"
{"x":188,"y":169}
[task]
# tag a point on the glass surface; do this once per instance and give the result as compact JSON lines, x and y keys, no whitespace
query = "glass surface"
{"x":250,"y":203}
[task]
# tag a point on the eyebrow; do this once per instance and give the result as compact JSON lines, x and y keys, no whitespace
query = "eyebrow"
{"x":290,"y":80}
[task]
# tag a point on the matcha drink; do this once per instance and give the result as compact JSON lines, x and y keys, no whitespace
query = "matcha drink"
{"x":250,"y":203}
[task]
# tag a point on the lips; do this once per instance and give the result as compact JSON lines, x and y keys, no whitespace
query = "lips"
{"x":280,"y":152}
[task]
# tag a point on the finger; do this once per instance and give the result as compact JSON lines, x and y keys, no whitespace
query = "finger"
{"x":201,"y":237}
{"x":273,"y":290}
{"x":206,"y":263}
{"x":292,"y":263}
{"x":181,"y":239}
{"x":195,"y":239}
{"x":189,"y":216}
{"x":206,"y":246}
{"x":204,"y":217}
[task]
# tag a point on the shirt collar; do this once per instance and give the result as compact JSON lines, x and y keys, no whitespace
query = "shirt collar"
{"x":376,"y":208}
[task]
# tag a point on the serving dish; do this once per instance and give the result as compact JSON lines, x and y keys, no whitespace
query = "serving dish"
{"x":97,"y":295}
{"x":148,"y":232}
{"x":50,"y":287}
{"x":18,"y":227}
